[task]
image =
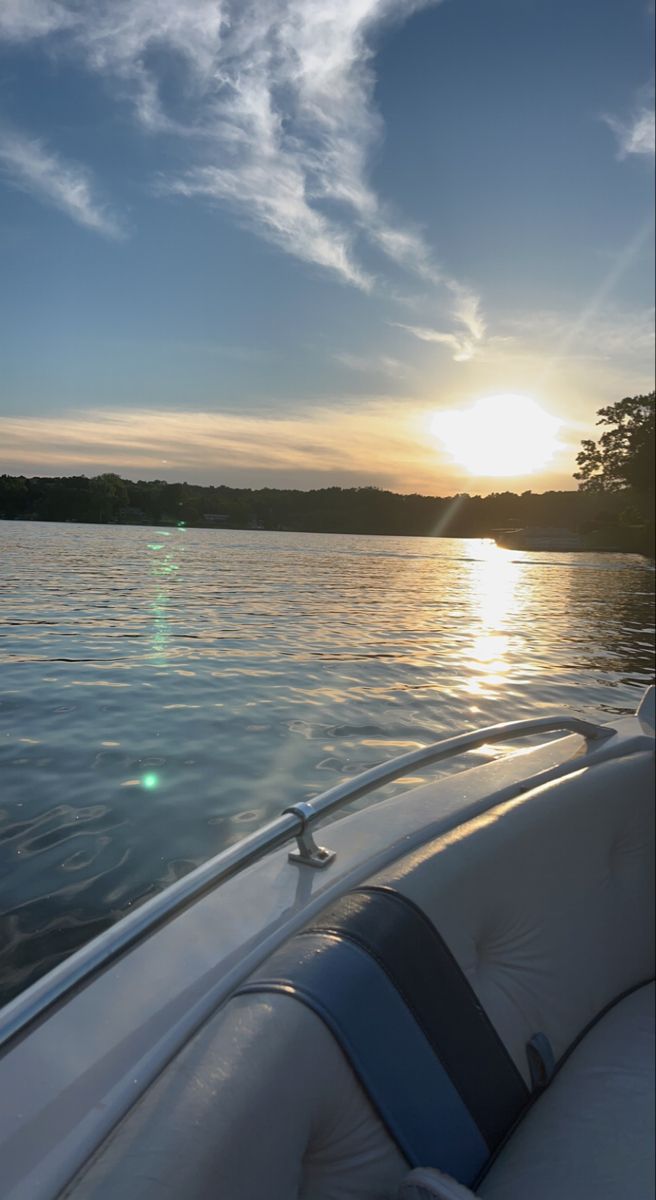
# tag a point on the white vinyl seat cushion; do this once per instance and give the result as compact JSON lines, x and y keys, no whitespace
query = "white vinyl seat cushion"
{"x":590,"y":1136}
{"x":260,"y":1105}
{"x":547,"y":902}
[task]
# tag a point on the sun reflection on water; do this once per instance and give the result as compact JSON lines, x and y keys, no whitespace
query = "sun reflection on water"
{"x":496,"y":601}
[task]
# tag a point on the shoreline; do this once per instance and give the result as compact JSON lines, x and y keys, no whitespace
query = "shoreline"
{"x":633,"y":543}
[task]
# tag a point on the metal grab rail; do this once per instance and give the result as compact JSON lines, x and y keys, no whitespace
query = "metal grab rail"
{"x":309,"y":811}
{"x":295,"y":821}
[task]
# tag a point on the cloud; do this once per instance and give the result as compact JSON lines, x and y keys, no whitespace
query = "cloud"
{"x":466,"y":312}
{"x":405,"y":247}
{"x":282,"y":115}
{"x":382,"y":364}
{"x":463,"y":348}
{"x":275,"y":102}
{"x":636,"y":136}
{"x":25,"y":20}
{"x":273,"y":201}
{"x":377,"y":442}
{"x":30,"y":166}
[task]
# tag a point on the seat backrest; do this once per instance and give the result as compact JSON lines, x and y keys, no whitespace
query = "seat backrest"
{"x":547,"y":902}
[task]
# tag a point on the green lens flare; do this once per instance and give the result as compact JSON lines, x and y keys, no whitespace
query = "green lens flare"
{"x":149,"y":781}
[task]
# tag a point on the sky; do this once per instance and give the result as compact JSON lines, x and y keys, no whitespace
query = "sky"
{"x":286,"y":242}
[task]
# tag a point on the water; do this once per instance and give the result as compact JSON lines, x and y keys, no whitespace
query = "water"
{"x":163,"y":692}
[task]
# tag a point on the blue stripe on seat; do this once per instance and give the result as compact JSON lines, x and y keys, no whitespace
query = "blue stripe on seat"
{"x":388,"y":1050}
{"x":399,"y":936}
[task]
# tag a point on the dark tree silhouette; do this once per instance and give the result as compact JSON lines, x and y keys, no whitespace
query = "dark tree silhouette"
{"x":623,"y":457}
{"x":110,"y":499}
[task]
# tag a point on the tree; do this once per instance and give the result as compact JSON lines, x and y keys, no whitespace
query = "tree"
{"x":623,"y":457}
{"x":107,"y":495}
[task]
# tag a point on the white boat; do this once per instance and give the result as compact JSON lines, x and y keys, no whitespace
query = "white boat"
{"x":541,"y":538}
{"x":452,"y":996}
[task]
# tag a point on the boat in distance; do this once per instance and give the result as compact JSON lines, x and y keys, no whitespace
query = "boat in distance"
{"x":449,"y":993}
{"x":538,"y":538}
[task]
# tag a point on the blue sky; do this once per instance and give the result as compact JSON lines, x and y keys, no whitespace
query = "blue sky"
{"x":266,"y":242}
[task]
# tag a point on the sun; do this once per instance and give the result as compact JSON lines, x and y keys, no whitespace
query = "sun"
{"x":499,"y":435}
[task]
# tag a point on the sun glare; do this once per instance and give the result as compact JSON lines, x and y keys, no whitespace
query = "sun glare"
{"x":500,"y":435}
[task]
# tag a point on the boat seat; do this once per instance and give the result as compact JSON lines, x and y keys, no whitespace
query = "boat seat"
{"x":541,"y":912}
{"x":260,"y":1105}
{"x":591,"y":1133}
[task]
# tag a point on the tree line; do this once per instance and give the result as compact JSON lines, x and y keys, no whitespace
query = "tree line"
{"x":109,"y":499}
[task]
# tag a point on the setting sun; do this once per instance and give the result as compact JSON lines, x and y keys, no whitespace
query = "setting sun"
{"x":499,"y":435}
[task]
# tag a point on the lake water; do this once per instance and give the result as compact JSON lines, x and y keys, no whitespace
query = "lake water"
{"x":164,"y":691}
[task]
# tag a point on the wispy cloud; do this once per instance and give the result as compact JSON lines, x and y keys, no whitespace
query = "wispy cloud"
{"x":281,"y":114}
{"x":272,"y":199}
{"x":465,"y":342}
{"x":467,"y":310}
{"x":430,"y":335}
{"x":636,"y":136}
{"x":374,"y":442}
{"x":32,"y":167}
{"x":275,"y":101}
{"x":24,"y":20}
{"x":381,"y":364}
{"x":463,"y":348}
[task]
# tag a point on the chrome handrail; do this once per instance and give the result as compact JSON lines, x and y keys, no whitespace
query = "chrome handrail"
{"x":426,"y":756}
{"x":294,"y":822}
